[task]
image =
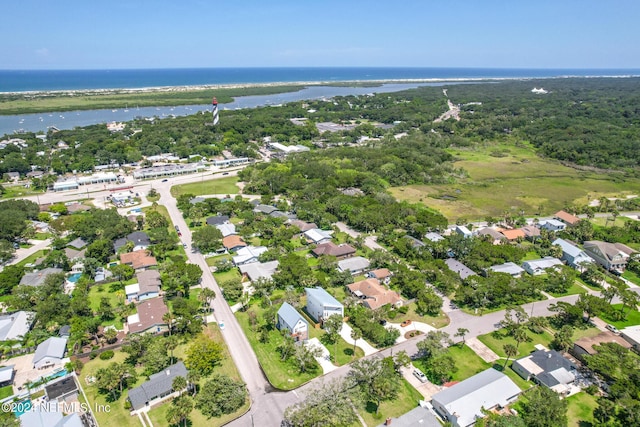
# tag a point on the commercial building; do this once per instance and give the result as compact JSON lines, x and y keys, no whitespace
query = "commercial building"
{"x":168,"y":170}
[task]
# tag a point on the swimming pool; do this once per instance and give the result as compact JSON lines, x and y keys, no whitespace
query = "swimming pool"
{"x":74,"y":277}
{"x":21,"y":407}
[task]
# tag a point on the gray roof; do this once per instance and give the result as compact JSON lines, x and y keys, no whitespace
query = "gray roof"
{"x":148,"y":281}
{"x":543,"y":263}
{"x":45,"y":416}
{"x":508,"y":267}
{"x":458,"y":267}
{"x":139,"y":238}
{"x":487,"y":231}
{"x":217,"y":220}
{"x":416,"y":243}
{"x":64,"y":331}
{"x":484,"y":390}
{"x":322,"y":296}
{"x":568,"y":247}
{"x":60,"y":388}
{"x":78,"y":243}
{"x":354,"y":264}
{"x":555,"y":368}
{"x":265,"y":209}
{"x":416,"y":417}
{"x":434,"y":237}
{"x":52,"y":347}
{"x":15,"y":325}
{"x":158,"y":384}
{"x":37,"y":278}
{"x":289,"y":314}
{"x":257,"y":270}
{"x":6,"y":373}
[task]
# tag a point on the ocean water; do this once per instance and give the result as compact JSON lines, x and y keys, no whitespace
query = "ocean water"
{"x":46,"y":80}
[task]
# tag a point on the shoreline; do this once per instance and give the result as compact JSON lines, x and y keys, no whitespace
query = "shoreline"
{"x":194,"y":88}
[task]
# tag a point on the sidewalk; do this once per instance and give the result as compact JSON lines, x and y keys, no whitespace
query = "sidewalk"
{"x":345,"y":333}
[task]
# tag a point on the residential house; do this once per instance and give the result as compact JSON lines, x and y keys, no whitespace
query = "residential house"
{"x":13,"y":176}
{"x":226,"y":229}
{"x":50,"y":353}
{"x":585,"y":345}
{"x":458,"y":267}
{"x":494,"y":236}
{"x":341,"y":251}
{"x":248,"y":255}
{"x":415,"y":243}
{"x":552,"y":225}
{"x":138,"y":260}
{"x":50,"y":416}
{"x":62,"y":390}
{"x":434,"y":237}
{"x":612,"y":256}
{"x":78,"y":243}
{"x":373,"y":295}
{"x":537,"y":267}
{"x":465,"y":402}
{"x":632,"y":335}
{"x":14,"y":326}
{"x":290,"y":320}
{"x":38,"y":277}
{"x":64,"y":331}
{"x":567,"y":218}
{"x":258,"y":270}
{"x":148,"y":286}
{"x":302,"y":225}
{"x":317,"y":236}
{"x":148,"y":318}
{"x":233,"y":243}
{"x":6,"y":375}
{"x":217,"y":220}
{"x":159,"y":385}
{"x":549,"y":368}
{"x":463,"y":231}
{"x":354,"y":265}
{"x":572,"y":255}
{"x":419,"y":416}
{"x":77,"y":207}
{"x":510,"y":268}
{"x":531,"y":232}
{"x":265,"y":209}
{"x":382,"y":274}
{"x":140,"y":240}
{"x":512,"y":235}
{"x":321,"y":304}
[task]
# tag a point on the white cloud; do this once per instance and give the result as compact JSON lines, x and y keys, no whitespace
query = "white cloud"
{"x":42,"y":52}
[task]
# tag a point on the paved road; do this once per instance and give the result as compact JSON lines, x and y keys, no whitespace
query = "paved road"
{"x":27,"y":252}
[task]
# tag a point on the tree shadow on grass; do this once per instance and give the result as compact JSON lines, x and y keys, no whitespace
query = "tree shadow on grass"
{"x":348,"y":351}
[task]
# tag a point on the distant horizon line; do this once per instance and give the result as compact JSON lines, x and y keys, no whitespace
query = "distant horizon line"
{"x":326,"y":67}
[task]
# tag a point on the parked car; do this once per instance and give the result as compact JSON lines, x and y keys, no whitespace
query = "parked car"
{"x":405,"y":323}
{"x":221,"y":324}
{"x":177,"y":228}
{"x":225,"y":173}
{"x":420,"y":375}
{"x":613,"y":329}
{"x":165,"y":180}
{"x":184,"y":245}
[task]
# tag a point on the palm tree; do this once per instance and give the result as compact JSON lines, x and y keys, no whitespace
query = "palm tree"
{"x":461,"y":333}
{"x":178,"y":384}
{"x":207,"y":295}
{"x":168,"y":318}
{"x":520,"y":335}
{"x":356,"y":334}
{"x":511,"y":351}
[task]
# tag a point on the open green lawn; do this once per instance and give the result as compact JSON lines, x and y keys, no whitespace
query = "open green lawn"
{"x":33,"y":257}
{"x":407,"y":400}
{"x":115,"y":298}
{"x":439,"y":321}
{"x":282,"y":375}
{"x":227,"y":275}
{"x":573,"y":290}
{"x":159,"y":413}
{"x":467,"y":362}
{"x":6,"y":391}
{"x":344,"y":349}
{"x":12,"y":191}
{"x":632,"y":277}
{"x":215,"y":185}
{"x":580,"y":409}
{"x":118,"y":415}
{"x":496,"y":340}
{"x":582,"y":282}
{"x":211,"y":261}
{"x":521,"y":181}
{"x":602,"y":222}
{"x":633,"y":318}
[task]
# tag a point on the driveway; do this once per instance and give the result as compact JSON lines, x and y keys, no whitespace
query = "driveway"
{"x":414,"y":326}
{"x":325,"y":359}
{"x":426,"y":389}
{"x":345,"y":333}
{"x":25,"y":372}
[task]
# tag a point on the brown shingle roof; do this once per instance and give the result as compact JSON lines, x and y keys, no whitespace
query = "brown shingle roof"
{"x":150,"y":313}
{"x":567,"y":218}
{"x":233,"y":241}
{"x":381,"y":273}
{"x":303,"y":226}
{"x":330,"y":248}
{"x":530,"y":230}
{"x":373,"y":293}
{"x":148,"y":281}
{"x":138,"y":259}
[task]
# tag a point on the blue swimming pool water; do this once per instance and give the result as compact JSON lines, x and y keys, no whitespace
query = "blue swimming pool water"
{"x":74,"y":277}
{"x":22,"y":407}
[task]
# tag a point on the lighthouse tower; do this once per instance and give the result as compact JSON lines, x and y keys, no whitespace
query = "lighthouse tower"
{"x":216,"y":118}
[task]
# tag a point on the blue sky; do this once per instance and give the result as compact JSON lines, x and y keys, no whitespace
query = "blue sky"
{"x":73,"y":34}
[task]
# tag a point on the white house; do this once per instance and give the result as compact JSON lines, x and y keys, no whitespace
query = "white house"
{"x":354,"y":265}
{"x":248,"y":254}
{"x":509,"y":268}
{"x":463,"y":231}
{"x":317,"y":236}
{"x":290,"y":320}
{"x":226,"y":229}
{"x":50,"y":353}
{"x":573,"y":255}
{"x":321,"y":304}
{"x":537,"y":267}
{"x":552,"y":225}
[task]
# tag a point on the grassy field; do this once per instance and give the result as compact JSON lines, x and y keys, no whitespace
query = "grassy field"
{"x":211,"y":261}
{"x":467,"y":362}
{"x":6,"y":391}
{"x":520,"y":181}
{"x":633,"y":318}
{"x":632,"y":277}
{"x":89,"y":100}
{"x":407,"y":400}
{"x":215,"y":185}
{"x":580,"y":409}
{"x":439,"y":321}
{"x":496,"y":342}
{"x":573,"y":290}
{"x":33,"y":257}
